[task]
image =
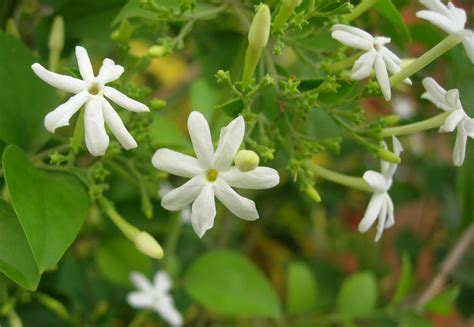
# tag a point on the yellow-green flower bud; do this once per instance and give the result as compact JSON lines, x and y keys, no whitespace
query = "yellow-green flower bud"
{"x":56,"y":37}
{"x":391,"y":120}
{"x":157,"y":104}
{"x":157,"y":51}
{"x":313,"y":194}
{"x":389,"y":156}
{"x":286,"y":9}
{"x":246,"y":160}
{"x":292,"y":3}
{"x":260,"y":28}
{"x":147,"y":245}
{"x":12,"y":29}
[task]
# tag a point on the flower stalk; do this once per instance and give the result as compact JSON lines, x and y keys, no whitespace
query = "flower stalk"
{"x":431,"y":123}
{"x":56,"y":43}
{"x":428,"y":57}
{"x":360,"y":9}
{"x":349,"y":181}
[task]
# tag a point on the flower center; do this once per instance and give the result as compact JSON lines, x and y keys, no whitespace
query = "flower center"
{"x":94,"y":88}
{"x":212,"y":175}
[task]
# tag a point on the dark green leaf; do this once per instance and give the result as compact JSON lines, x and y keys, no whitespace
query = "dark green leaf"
{"x":387,"y":9}
{"x":16,"y":258}
{"x":24,"y":98}
{"x":228,"y":283}
{"x":50,"y":207}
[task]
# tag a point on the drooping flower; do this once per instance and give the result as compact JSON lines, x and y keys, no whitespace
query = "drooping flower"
{"x":212,"y":174}
{"x":381,"y":205}
{"x":450,"y":19}
{"x":155,"y":296}
{"x":457,"y":119}
{"x":377,"y":56}
{"x":91,"y":91}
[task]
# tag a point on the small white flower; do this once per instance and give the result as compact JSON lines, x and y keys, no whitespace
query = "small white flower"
{"x":377,"y":56}
{"x":185,"y":214}
{"x":450,"y":19}
{"x":155,"y":296}
{"x":212,"y":174}
{"x":457,"y":119}
{"x":380,"y":205}
{"x":92,"y":92}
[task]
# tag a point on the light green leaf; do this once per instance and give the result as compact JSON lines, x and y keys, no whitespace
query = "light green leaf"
{"x":204,"y":97}
{"x":228,"y":283}
{"x":164,"y":133}
{"x":358,"y":295}
{"x":24,"y":98}
{"x":411,"y":319}
{"x":16,"y":258}
{"x":302,"y":289}
{"x":405,"y":281}
{"x":50,"y":207}
{"x":118,"y":257}
{"x":443,"y":302}
{"x":387,"y":9}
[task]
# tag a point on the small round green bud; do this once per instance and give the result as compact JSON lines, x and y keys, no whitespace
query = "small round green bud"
{"x":56,"y":37}
{"x":246,"y":160}
{"x":147,"y":245}
{"x":157,"y":104}
{"x":157,"y":51}
{"x":260,"y":28}
{"x":391,"y":120}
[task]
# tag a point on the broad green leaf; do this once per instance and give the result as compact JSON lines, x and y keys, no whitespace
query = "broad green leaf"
{"x":302,"y":289}
{"x":204,"y":97}
{"x":358,"y":295}
{"x":50,"y":207}
{"x":16,"y":258}
{"x":228,"y":283}
{"x":443,"y":302}
{"x":387,"y":9}
{"x":117,"y":258}
{"x":405,"y":281}
{"x":24,"y":98}
{"x":411,"y":319}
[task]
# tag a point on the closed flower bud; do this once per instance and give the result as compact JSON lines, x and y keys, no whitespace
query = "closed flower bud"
{"x":292,"y":3}
{"x":157,"y":51}
{"x":56,"y":37}
{"x":313,"y":194}
{"x":157,"y":104}
{"x":389,"y":156}
{"x":246,"y":160}
{"x":260,"y":28}
{"x":147,"y":245}
{"x":391,"y":120}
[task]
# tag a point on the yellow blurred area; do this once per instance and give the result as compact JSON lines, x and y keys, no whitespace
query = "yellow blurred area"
{"x":169,"y":71}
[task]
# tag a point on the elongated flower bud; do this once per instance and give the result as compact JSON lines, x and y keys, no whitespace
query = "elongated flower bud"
{"x":313,"y":194}
{"x":286,"y":9}
{"x":389,"y":156}
{"x":260,"y":28}
{"x":246,"y":160}
{"x":147,"y":244}
{"x":56,"y":37}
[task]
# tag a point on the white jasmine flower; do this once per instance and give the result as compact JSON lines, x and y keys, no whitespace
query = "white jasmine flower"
{"x":457,"y":119}
{"x":155,"y":296}
{"x":380,"y":205}
{"x":450,"y":19}
{"x":91,"y":91}
{"x":377,"y":56}
{"x":185,"y":214}
{"x":212,"y":174}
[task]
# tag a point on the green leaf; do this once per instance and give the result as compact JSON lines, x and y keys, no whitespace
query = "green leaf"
{"x":16,"y":258}
{"x":405,"y":281}
{"x":50,"y":207}
{"x":133,"y":9}
{"x":228,"y":283}
{"x":204,"y":97}
{"x":232,"y":107}
{"x":411,"y":319}
{"x":118,"y":257}
{"x":387,"y":9}
{"x":358,"y":295}
{"x":24,"y":98}
{"x":164,"y":133}
{"x":443,"y":302}
{"x":302,"y":289}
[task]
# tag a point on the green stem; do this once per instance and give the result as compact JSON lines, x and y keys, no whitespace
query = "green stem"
{"x":343,"y":64}
{"x":54,"y":57}
{"x":424,"y":125}
{"x":361,"y":8}
{"x":78,"y":134}
{"x":349,"y":181}
{"x":127,"y":229}
{"x":441,"y":48}
{"x":172,"y":242}
{"x":252,"y":56}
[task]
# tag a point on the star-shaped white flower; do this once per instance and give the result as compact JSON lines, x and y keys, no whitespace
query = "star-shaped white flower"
{"x":155,"y":296}
{"x":380,"y":205}
{"x":457,"y":119}
{"x":377,"y":56}
{"x":212,"y":174}
{"x":92,"y":92}
{"x":185,"y":214}
{"x":450,"y":19}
